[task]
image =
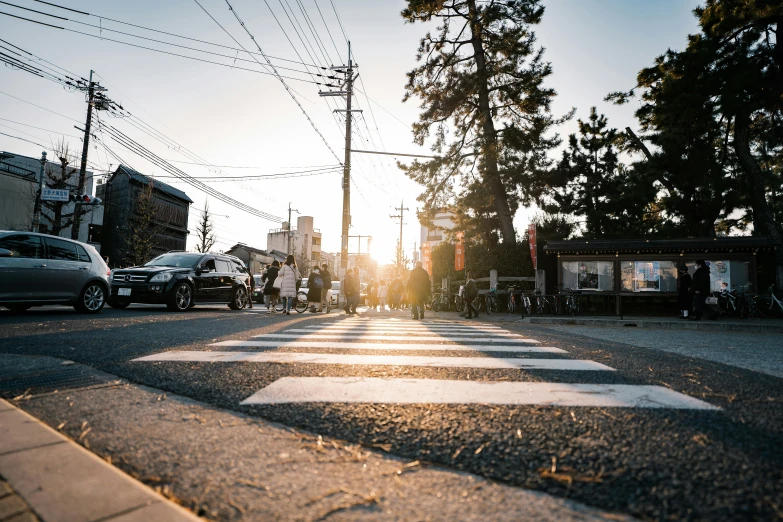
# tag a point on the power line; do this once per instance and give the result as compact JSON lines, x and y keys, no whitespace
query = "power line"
{"x":165,"y":52}
{"x":40,"y":128}
{"x":24,"y":139}
{"x":338,"y":20}
{"x":327,"y":29}
{"x":43,"y":108}
{"x":162,"y":32}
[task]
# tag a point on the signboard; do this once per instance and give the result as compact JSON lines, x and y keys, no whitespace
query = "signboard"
{"x":48,"y":194}
{"x":459,"y":253}
{"x":426,"y":254}
{"x":647,"y":276}
{"x":531,"y":234}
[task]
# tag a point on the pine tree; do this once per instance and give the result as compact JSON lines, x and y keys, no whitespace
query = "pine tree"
{"x":484,"y":103}
{"x":205,"y":234}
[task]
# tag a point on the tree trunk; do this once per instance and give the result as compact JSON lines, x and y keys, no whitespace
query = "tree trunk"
{"x":763,"y":217}
{"x":490,"y":145}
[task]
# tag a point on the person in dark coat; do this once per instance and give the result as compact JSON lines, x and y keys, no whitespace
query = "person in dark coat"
{"x":327,"y":280}
{"x":270,"y":292}
{"x":252,"y":283}
{"x":701,"y":288}
{"x":315,"y":286}
{"x":684,"y":296}
{"x":348,"y":290}
{"x":471,"y":292}
{"x":418,"y":287}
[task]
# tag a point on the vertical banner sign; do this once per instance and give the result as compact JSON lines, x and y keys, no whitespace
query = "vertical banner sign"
{"x":531,"y":234}
{"x":459,"y":253}
{"x":426,"y":254}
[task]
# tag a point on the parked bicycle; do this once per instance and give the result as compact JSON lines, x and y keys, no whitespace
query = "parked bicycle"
{"x":770,"y":306}
{"x":511,"y":305}
{"x":491,"y":303}
{"x":572,"y":302}
{"x":459,"y":301}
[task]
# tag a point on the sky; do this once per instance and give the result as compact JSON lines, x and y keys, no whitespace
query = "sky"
{"x":234,"y":118}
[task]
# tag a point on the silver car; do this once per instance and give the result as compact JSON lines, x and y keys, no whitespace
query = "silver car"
{"x":39,"y":269}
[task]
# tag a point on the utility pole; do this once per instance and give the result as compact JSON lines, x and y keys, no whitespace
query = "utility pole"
{"x":400,"y":216}
{"x":288,"y":251}
{"x":38,"y":202}
{"x":348,"y":93}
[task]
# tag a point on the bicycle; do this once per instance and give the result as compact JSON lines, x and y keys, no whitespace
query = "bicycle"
{"x":772,"y":306}
{"x":526,"y":305}
{"x":542,"y":303}
{"x":572,"y":302}
{"x":459,"y":302}
{"x":491,"y":303}
{"x":435,"y":302}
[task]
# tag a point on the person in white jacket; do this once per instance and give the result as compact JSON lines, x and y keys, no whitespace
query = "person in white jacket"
{"x":290,"y":274}
{"x":383,"y":291}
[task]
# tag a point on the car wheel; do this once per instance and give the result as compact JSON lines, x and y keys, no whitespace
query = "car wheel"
{"x":118,"y":303}
{"x":238,"y":299}
{"x":18,"y":308}
{"x":181,"y":297}
{"x":91,"y":299}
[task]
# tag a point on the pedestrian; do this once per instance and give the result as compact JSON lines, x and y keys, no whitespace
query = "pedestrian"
{"x":418,"y":288}
{"x":270,"y":292}
{"x":684,"y":297}
{"x":471,"y":292}
{"x":252,"y":283}
{"x":347,"y":289}
{"x":315,"y":285}
{"x":291,"y":280}
{"x":326,"y":277}
{"x":701,"y":289}
{"x":357,"y":289}
{"x":395,"y":291}
{"x":383,"y":291}
{"x":372,"y":294}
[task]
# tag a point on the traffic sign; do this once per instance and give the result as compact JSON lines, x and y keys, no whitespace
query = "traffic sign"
{"x":48,"y":194}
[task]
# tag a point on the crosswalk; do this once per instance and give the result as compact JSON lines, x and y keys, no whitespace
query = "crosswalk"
{"x":488,"y":347}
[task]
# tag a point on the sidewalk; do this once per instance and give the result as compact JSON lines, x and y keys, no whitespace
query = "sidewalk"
{"x":668,"y":323}
{"x":224,"y":465}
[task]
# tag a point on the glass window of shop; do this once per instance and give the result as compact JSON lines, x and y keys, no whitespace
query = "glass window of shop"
{"x":735,"y":273}
{"x":648,"y":276}
{"x":588,"y":275}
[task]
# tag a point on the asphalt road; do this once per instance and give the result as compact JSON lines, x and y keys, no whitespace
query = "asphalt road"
{"x":649,"y":459}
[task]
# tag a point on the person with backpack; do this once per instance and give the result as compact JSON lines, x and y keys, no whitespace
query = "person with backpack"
{"x":315,"y":285}
{"x":471,"y":292}
{"x":326,"y":277}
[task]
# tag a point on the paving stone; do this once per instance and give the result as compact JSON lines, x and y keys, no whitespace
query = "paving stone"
{"x":10,"y":506}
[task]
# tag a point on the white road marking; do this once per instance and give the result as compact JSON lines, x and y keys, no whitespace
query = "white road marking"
{"x":395,"y":338}
{"x":394,"y":331}
{"x":377,"y":360}
{"x":436,"y":391}
{"x":422,"y":328}
{"x":391,"y":346}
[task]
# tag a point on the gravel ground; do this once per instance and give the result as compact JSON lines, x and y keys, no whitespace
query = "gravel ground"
{"x":652,"y":464}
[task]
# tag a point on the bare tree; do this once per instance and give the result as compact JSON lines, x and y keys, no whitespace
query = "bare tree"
{"x":205,"y":233}
{"x":141,"y":237}
{"x":59,"y":216}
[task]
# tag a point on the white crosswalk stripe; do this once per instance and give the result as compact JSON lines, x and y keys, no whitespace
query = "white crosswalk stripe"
{"x":397,"y":335}
{"x":378,"y":360}
{"x":322,"y":344}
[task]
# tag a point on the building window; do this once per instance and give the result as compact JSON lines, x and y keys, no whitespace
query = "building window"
{"x":588,"y":275}
{"x":648,"y":276}
{"x":736,"y":274}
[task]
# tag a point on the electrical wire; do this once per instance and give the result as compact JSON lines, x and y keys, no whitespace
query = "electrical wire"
{"x":24,"y":139}
{"x":43,"y":108}
{"x":40,"y":128}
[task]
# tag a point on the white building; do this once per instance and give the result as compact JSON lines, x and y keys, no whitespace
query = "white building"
{"x":18,"y":186}
{"x":303,"y":241}
{"x":442,"y":222}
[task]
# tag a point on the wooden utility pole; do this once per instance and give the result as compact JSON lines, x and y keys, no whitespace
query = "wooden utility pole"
{"x":400,"y":216}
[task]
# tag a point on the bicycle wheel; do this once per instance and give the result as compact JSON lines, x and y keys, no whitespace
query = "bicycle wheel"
{"x":435,"y":305}
{"x":511,"y":306}
{"x":445,"y":304}
{"x":488,"y":305}
{"x":300,"y":305}
{"x":528,"y":305}
{"x":459,"y":305}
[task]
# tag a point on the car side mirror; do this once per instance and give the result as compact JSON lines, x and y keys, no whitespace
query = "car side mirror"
{"x":5,"y":253}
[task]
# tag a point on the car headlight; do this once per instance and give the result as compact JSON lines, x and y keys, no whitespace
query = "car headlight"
{"x":161,"y":278}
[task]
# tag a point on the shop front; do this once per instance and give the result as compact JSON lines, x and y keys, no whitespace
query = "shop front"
{"x":640,"y":276}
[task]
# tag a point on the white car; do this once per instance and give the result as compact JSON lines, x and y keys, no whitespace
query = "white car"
{"x":333,"y":293}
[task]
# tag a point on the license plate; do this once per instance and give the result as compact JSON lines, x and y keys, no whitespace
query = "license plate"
{"x":123,"y":291}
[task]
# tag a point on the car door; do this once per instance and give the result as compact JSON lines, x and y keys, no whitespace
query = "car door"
{"x":225,"y":281}
{"x":206,"y":280}
{"x":68,"y":272}
{"x":23,"y":275}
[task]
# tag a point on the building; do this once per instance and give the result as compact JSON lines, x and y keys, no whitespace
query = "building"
{"x":431,"y":237}
{"x":331,"y":261}
{"x":124,"y":195}
{"x":304,"y":242}
{"x":641,"y":274}
{"x":18,"y":187}
{"x":255,"y":259}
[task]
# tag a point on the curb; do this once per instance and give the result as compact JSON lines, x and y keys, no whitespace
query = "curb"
{"x":63,"y":482}
{"x":664,"y":325}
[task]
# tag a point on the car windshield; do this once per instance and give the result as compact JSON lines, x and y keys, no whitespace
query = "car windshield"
{"x":335,"y":286}
{"x":257,"y":279}
{"x":179,"y":260}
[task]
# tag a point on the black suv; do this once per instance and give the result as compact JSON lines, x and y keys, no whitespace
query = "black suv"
{"x":181,"y":280}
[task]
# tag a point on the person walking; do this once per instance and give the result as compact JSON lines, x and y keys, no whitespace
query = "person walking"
{"x":372,"y":294}
{"x":290,"y":274}
{"x":395,"y":291}
{"x":270,"y":292}
{"x":252,"y":283}
{"x":357,"y":289}
{"x":315,"y":285}
{"x":326,"y":277}
{"x":383,"y":291}
{"x":471,"y":292}
{"x":701,"y":289}
{"x":347,"y":288}
{"x":418,"y":290}
{"x":684,"y":297}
